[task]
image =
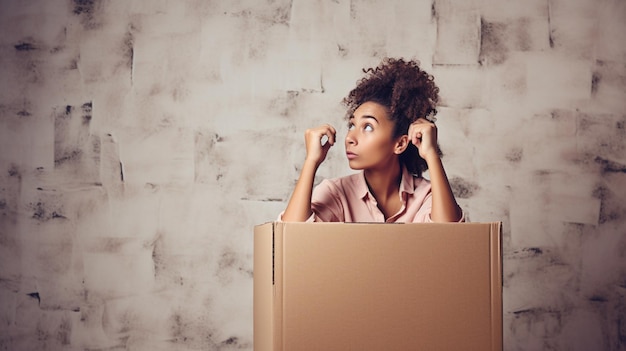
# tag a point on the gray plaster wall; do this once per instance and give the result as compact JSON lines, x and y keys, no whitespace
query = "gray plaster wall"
{"x":141,"y":141}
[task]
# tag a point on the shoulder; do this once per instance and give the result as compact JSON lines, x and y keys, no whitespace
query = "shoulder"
{"x":412,"y":183}
{"x":421,"y":186}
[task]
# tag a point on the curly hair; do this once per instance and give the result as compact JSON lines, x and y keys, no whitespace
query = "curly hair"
{"x":407,"y":91}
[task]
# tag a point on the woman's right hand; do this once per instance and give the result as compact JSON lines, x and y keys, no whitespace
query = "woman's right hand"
{"x":315,"y":151}
{"x":299,"y":206}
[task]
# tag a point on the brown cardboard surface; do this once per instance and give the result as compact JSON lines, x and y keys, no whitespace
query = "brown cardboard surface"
{"x":263,"y":289}
{"x":340,"y":286}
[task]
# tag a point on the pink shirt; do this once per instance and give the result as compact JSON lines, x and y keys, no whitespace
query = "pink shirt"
{"x":348,"y":199}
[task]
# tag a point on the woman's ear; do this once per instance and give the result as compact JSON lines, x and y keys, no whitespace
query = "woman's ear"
{"x":401,"y":144}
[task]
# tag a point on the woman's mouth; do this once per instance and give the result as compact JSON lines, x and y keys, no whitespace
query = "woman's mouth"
{"x":351,"y":155}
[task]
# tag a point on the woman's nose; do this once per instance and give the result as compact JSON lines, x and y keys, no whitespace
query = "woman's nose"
{"x":350,"y":140}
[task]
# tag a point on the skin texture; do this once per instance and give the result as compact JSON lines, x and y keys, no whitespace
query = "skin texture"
{"x":372,"y":147}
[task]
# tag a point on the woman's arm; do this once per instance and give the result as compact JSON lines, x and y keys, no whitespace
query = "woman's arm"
{"x":299,"y":206}
{"x":445,"y":208}
{"x":423,"y":134}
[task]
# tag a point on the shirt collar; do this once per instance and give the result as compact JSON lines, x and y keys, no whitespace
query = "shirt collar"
{"x":406,"y":184}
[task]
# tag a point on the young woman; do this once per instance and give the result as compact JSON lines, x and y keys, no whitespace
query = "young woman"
{"x":392,"y":138}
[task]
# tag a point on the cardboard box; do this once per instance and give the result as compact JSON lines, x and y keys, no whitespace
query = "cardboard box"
{"x":353,"y":286}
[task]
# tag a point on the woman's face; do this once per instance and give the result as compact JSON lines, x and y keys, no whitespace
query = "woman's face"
{"x":369,"y":142}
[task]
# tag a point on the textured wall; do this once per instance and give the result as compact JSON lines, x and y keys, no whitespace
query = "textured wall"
{"x":140,"y":142}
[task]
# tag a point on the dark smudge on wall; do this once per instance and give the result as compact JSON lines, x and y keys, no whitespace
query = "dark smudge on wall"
{"x":515,"y":155}
{"x":25,"y":45}
{"x":76,"y":150}
{"x":208,"y":161}
{"x":611,"y":206}
{"x":499,"y":39}
{"x":493,"y":50}
{"x":230,"y":262}
{"x":285,"y":105}
{"x":128,"y":50}
{"x":10,"y":190}
{"x":157,"y":255}
{"x":87,"y":10}
{"x":462,"y":188}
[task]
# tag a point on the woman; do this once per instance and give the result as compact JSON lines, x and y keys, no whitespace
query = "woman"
{"x":392,"y":138}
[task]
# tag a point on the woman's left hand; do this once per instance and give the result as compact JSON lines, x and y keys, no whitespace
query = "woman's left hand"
{"x":423,"y":134}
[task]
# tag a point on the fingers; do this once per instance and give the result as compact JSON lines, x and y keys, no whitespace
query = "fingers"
{"x":329,"y":135}
{"x":423,"y":134}
{"x":318,"y":141}
{"x":422,"y":130}
{"x":324,"y":133}
{"x":324,"y":140}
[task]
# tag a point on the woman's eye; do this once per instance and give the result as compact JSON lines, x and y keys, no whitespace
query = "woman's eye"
{"x":368,"y":128}
{"x":350,"y":126}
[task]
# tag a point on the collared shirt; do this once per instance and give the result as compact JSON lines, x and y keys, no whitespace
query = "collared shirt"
{"x":348,"y":199}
